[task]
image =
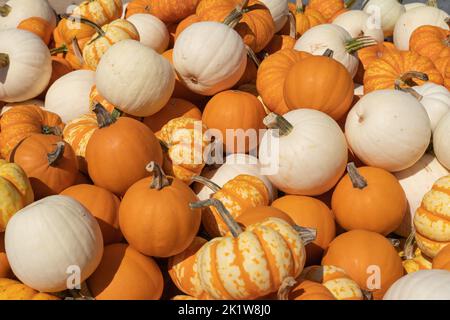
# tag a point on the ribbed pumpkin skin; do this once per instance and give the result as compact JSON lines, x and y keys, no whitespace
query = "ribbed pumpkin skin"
{"x":166,"y":10}
{"x":443,"y":66}
{"x":382,"y":73}
{"x":328,"y":8}
{"x":271,"y":77}
{"x":252,"y":265}
{"x":442,"y":259}
{"x":126,"y":274}
{"x":355,"y":251}
{"x":5,"y":269}
{"x":256,"y":26}
{"x":305,"y":20}
{"x":431,"y":220}
{"x":372,"y":53}
{"x":279,"y":42}
{"x":320,"y":83}
{"x":21,"y":122}
{"x":237,"y":195}
{"x":38,"y":26}
{"x":430,"y":41}
{"x":183,"y":269}
{"x":260,"y":213}
{"x":14,"y":290}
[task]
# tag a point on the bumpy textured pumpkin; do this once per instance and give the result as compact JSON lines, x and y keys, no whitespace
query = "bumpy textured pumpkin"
{"x":5,"y":269}
{"x":320,"y":83}
{"x":103,"y":205}
{"x":39,"y":26}
{"x":49,"y":162}
{"x":430,"y":41}
{"x":305,"y":19}
{"x":312,"y":213}
{"x":431,"y":218}
{"x":369,"y":198}
{"x":146,"y":202}
{"x":442,"y":259}
{"x":328,"y":8}
{"x":166,"y":10}
{"x":15,"y":192}
{"x":370,"y":54}
{"x":125,"y":274}
{"x":443,"y":66}
{"x":368,"y":258}
{"x":271,"y":77}
{"x":399,"y":66}
{"x":14,"y":290}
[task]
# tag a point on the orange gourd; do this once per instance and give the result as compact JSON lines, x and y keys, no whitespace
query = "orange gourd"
{"x":443,"y":66}
{"x":38,"y":26}
{"x":430,"y":41}
{"x":259,"y":213}
{"x":442,"y":260}
{"x":14,"y":290}
{"x":369,"y":54}
{"x":5,"y":269}
{"x":166,"y":10}
{"x":328,"y":8}
{"x":305,"y":18}
{"x":369,"y":198}
{"x":279,"y":42}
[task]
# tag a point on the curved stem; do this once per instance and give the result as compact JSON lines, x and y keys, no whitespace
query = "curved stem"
{"x":359,"y":43}
{"x":279,"y":123}
{"x":159,"y":178}
{"x":55,"y":155}
{"x":253,"y":56}
{"x":358,"y":181}
{"x":62,"y":49}
{"x":5,"y":10}
{"x":236,"y":14}
{"x":407,"y":78}
{"x":206,"y":182}
{"x":234,"y":227}
{"x":328,"y":53}
{"x":77,"y":50}
{"x":51,"y":130}
{"x":408,"y":248}
{"x":104,"y":118}
{"x":411,"y":91}
{"x":286,"y":288}
{"x":4,"y":60}
{"x":292,"y":25}
{"x":307,"y":235}
{"x":299,"y":6}
{"x":85,"y":21}
{"x":349,"y":3}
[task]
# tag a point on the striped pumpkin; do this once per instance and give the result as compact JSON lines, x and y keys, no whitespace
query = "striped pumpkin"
{"x":95,"y":97}
{"x":14,"y":290}
{"x":432,"y":218}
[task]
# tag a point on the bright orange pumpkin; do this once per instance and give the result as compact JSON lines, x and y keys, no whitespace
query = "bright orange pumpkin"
{"x":442,"y":260}
{"x":186,"y":22}
{"x":304,"y":290}
{"x":328,"y":8}
{"x":443,"y":66}
{"x":279,"y":42}
{"x":259,"y":213}
{"x":166,"y":10}
{"x":369,"y":54}
{"x":38,"y":26}
{"x":430,"y":41}
{"x":305,"y":18}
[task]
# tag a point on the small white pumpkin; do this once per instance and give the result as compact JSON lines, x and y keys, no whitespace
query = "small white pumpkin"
{"x":279,"y":10}
{"x":388,"y":129}
{"x":51,"y":238}
{"x":235,"y":164}
{"x":310,"y":154}
{"x":414,"y":18}
{"x":421,"y":285}
{"x":68,"y":96}
{"x":209,"y":57}
{"x":135,"y":78}
{"x":358,"y":24}
{"x":441,"y":141}
{"x":25,"y":65}
{"x":416,"y":181}
{"x":385,"y":11}
{"x":15,"y":11}
{"x":153,"y":32}
{"x":413,"y":5}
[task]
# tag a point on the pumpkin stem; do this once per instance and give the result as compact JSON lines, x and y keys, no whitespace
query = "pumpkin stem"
{"x":54,"y":156}
{"x":5,"y":10}
{"x":307,"y":235}
{"x":407,"y":78}
{"x":4,"y":60}
{"x":234,"y":227}
{"x":349,"y":3}
{"x":286,"y":288}
{"x":358,"y":181}
{"x":85,"y":21}
{"x":395,"y":242}
{"x":408,"y":248}
{"x":411,"y":91}
{"x":164,"y":145}
{"x":328,"y":53}
{"x":77,"y":50}
{"x":279,"y":123}
{"x":236,"y":14}
{"x":51,"y":130}
{"x":206,"y":182}
{"x":104,"y":118}
{"x":253,"y":56}
{"x":367,"y":294}
{"x":432,"y":3}
{"x":299,"y":6}
{"x":159,"y":178}
{"x":62,"y":49}
{"x":292,"y":25}
{"x":359,"y":43}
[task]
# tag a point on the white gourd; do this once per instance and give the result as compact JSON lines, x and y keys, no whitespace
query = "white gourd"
{"x":358,"y":24}
{"x":386,"y":12}
{"x":15,"y":11}
{"x":153,"y":32}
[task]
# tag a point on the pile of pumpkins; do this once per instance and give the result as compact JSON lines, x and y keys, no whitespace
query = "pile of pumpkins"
{"x":102,"y":198}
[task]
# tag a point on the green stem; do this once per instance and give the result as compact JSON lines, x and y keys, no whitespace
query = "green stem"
{"x":5,"y":10}
{"x":299,"y":6}
{"x":277,"y":122}
{"x":104,"y":118}
{"x":54,"y":156}
{"x":357,"y":180}
{"x":206,"y":182}
{"x":359,"y":43}
{"x":159,"y":178}
{"x":4,"y":60}
{"x":62,"y":49}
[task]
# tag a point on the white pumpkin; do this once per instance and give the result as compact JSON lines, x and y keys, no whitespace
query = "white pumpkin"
{"x":416,"y":181}
{"x":135,"y":78}
{"x":235,"y":164}
{"x":51,"y":238}
{"x":68,"y":96}
{"x":385,"y":11}
{"x":25,"y":65}
{"x":329,"y":36}
{"x":358,"y":24}
{"x":414,"y":18}
{"x":34,"y":102}
{"x":441,"y":141}
{"x":209,"y":57}
{"x":435,"y":99}
{"x":410,"y":6}
{"x":153,"y":32}
{"x":279,"y":10}
{"x":15,"y":11}
{"x":421,"y":285}
{"x":309,"y":157}
{"x":388,"y":129}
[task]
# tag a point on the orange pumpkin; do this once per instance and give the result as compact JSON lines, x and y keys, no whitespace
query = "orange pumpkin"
{"x":443,"y":66}
{"x":5,"y":269}
{"x":320,"y":83}
{"x":235,"y":110}
{"x":166,"y":10}
{"x":368,"y":258}
{"x":304,"y":290}
{"x":369,"y":54}
{"x":126,"y":274}
{"x":95,"y":97}
{"x":155,"y":216}
{"x":369,"y":198}
{"x":22,"y":121}
{"x":118,"y":152}
{"x":258,"y":214}
{"x":49,"y":162}
{"x":430,"y":41}
{"x":442,"y":259}
{"x":312,"y":213}
{"x":279,"y":42}
{"x":271,"y":77}
{"x":186,"y":22}
{"x":103,"y":205}
{"x":38,"y":26}
{"x":256,"y":26}
{"x":399,"y":67}
{"x":305,"y":19}
{"x":328,"y":8}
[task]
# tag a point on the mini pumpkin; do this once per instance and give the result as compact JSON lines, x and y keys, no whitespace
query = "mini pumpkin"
{"x":442,"y":259}
{"x":329,"y":8}
{"x":39,"y":26}
{"x":257,"y":214}
{"x":306,"y":18}
{"x":167,"y":10}
{"x":430,"y":41}
{"x":369,"y":54}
